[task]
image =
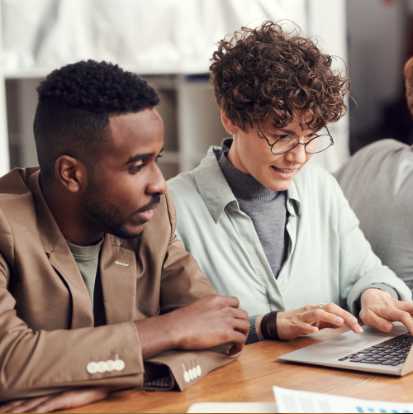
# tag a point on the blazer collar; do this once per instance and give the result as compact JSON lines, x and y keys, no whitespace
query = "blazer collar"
{"x":213,"y":186}
{"x":61,"y":258}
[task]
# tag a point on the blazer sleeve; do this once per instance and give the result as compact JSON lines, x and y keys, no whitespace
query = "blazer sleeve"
{"x":182,"y":283}
{"x":36,"y":362}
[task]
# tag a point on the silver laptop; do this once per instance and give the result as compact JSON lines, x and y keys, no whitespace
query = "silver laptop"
{"x":371,"y":351}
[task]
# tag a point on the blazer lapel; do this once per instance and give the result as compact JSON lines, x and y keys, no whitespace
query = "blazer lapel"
{"x":119,"y":273}
{"x":61,"y":259}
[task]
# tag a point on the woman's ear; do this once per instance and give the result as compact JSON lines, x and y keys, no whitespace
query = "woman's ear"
{"x":71,"y":173}
{"x":228,"y":125}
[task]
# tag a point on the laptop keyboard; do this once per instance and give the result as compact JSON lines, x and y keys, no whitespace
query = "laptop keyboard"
{"x":390,"y":352}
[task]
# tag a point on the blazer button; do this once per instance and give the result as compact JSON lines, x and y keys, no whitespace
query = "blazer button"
{"x":102,"y":367}
{"x":92,"y":367}
{"x":119,"y":365}
{"x":186,"y":377}
{"x":111,"y":365}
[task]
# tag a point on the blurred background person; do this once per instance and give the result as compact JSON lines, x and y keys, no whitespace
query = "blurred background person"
{"x":378,"y":182}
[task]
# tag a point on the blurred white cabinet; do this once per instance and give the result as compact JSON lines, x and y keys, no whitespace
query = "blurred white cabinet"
{"x":187,"y":106}
{"x":175,"y":58}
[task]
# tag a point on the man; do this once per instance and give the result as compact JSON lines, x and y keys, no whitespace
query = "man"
{"x":378,"y":182}
{"x":265,"y":224}
{"x":96,"y":294}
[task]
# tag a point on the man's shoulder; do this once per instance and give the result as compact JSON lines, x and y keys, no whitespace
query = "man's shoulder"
{"x":384,"y":145}
{"x":15,"y":182}
{"x":15,"y":194}
{"x":376,"y":152}
{"x":382,"y":160}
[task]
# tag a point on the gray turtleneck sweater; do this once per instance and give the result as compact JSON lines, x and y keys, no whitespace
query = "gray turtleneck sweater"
{"x":266,"y":208}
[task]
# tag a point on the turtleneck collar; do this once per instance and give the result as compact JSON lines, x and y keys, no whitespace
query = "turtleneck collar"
{"x":244,"y":186}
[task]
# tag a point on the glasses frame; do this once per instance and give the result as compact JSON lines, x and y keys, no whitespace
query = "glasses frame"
{"x":271,"y":145}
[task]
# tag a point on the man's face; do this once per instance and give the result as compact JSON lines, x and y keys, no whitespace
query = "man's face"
{"x":272,"y":171}
{"x":125,"y":184}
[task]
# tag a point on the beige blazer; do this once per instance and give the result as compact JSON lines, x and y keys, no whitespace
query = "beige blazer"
{"x":48,"y":341}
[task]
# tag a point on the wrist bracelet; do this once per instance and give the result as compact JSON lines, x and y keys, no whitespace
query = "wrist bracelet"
{"x":269,"y":326}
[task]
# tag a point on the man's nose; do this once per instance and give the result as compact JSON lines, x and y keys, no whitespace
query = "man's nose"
{"x":157,"y":184}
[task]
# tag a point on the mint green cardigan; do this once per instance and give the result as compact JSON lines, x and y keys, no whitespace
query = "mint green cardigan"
{"x":328,"y":257}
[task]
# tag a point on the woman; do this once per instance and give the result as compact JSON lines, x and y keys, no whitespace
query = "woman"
{"x":263,"y":225}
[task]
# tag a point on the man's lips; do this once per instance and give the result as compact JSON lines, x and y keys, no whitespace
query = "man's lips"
{"x":146,"y":213}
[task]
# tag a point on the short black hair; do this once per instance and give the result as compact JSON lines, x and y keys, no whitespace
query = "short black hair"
{"x":74,"y":106}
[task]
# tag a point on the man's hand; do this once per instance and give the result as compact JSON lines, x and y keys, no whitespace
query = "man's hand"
{"x":309,"y":319}
{"x":208,"y":322}
{"x":61,"y":401}
{"x":379,"y":309}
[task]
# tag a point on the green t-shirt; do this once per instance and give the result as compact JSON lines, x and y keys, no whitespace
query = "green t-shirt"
{"x":87,"y":259}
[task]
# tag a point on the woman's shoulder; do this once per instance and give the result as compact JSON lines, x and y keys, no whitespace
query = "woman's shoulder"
{"x":184,"y":181}
{"x":313,"y":176}
{"x":317,"y":191}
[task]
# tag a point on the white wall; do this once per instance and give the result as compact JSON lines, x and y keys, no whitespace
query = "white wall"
{"x":327,"y":26}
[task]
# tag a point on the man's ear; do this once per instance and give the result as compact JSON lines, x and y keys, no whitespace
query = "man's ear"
{"x":228,"y":125}
{"x":408,"y":82}
{"x":71,"y":173}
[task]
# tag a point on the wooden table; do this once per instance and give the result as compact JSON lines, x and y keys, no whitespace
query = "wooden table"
{"x":251,"y":377}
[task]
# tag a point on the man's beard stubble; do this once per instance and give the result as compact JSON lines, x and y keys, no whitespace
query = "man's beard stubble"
{"x":107,"y":216}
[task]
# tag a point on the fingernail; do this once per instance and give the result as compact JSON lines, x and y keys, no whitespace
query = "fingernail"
{"x":359,"y":329}
{"x":339,"y":320}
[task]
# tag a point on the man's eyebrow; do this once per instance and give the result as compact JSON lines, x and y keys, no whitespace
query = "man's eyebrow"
{"x":143,"y":157}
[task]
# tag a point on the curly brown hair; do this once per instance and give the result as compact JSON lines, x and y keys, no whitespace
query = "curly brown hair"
{"x":267,"y":73}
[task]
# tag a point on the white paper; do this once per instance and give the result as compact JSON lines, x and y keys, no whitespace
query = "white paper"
{"x":232,"y":407}
{"x":294,"y":401}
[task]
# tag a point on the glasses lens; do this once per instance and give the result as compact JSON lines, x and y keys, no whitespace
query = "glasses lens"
{"x":319,"y":144}
{"x":284,"y":145}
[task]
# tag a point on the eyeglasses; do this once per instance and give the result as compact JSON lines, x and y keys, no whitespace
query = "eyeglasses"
{"x":286,"y":142}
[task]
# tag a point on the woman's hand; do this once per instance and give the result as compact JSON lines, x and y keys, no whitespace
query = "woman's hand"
{"x":311,"y":318}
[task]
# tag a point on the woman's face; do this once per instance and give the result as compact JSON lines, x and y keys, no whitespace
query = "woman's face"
{"x":251,"y":153}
